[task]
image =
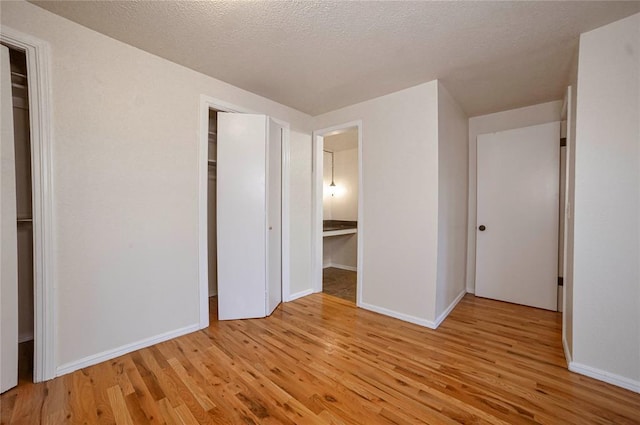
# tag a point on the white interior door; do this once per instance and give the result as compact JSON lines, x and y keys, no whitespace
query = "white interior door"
{"x":8,"y":234}
{"x":274,"y":216}
{"x":249,"y":215}
{"x":241,"y":211}
{"x":518,"y":189}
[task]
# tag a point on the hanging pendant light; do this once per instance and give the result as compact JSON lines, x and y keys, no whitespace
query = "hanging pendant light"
{"x":332,"y":186}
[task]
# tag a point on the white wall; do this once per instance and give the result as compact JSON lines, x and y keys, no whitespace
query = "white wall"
{"x":400,"y":194}
{"x":300,"y":213}
{"x":345,"y":201}
{"x":453,"y":160}
{"x":500,"y":121}
{"x":344,"y":204}
{"x":125,"y":152}
{"x":327,"y":199}
{"x":606,"y":292}
{"x":341,"y":252}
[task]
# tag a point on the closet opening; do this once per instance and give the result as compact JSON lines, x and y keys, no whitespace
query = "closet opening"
{"x":340,"y":242}
{"x":212,"y":241}
{"x":18,"y":193}
{"x":242,"y":212}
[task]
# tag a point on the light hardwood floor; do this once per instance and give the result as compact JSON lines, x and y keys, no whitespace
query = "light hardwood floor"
{"x":320,"y":360}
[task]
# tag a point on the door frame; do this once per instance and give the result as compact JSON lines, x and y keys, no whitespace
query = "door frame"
{"x":317,"y":201}
{"x":39,"y":82}
{"x":207,"y":103}
{"x":567,"y":115}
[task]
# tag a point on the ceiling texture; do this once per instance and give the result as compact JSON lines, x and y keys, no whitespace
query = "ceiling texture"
{"x":318,"y":56}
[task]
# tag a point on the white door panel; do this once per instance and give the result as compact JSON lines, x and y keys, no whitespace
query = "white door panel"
{"x":8,"y":234}
{"x":241,"y":208}
{"x":249,"y":215}
{"x":274,"y":217}
{"x":518,"y":189}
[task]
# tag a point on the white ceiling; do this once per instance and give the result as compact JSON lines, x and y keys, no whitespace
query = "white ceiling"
{"x":317,"y":56}
{"x":341,"y":141}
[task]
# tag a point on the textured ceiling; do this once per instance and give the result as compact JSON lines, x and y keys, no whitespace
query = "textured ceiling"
{"x":317,"y":56}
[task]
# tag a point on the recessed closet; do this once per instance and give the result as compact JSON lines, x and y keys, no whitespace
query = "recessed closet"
{"x":211,"y":207}
{"x":249,"y":149}
{"x":17,"y":288}
{"x":244,"y":214}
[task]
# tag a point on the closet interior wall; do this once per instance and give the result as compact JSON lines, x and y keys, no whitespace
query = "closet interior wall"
{"x":22,"y":143}
{"x":211,"y":204}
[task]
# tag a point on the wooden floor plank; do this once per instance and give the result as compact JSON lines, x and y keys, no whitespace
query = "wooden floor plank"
{"x":119,"y":406}
{"x":320,"y":360}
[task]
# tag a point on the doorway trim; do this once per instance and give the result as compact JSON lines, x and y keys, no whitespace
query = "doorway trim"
{"x":317,"y":187}
{"x":207,"y":103}
{"x":39,"y":82}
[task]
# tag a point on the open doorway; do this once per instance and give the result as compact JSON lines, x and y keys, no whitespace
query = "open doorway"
{"x":338,"y":200}
{"x":18,"y":207}
{"x":25,"y":80}
{"x":212,"y":243}
{"x":26,"y":290}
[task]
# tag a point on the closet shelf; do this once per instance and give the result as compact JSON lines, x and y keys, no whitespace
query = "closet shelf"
{"x":25,"y":220}
{"x":212,"y":162}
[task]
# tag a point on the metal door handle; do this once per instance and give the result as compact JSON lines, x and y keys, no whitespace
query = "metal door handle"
{"x":482,"y":228}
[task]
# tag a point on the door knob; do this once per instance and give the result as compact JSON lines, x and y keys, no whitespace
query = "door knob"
{"x":482,"y":228}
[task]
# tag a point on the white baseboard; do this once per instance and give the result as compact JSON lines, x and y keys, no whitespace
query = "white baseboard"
{"x":299,"y":295}
{"x":608,"y":377}
{"x":398,"y":315}
{"x":567,"y":353}
{"x":124,"y":349}
{"x":448,"y":310}
{"x":600,"y":375}
{"x":412,"y":319}
{"x":343,"y":267}
{"x":340,"y":266}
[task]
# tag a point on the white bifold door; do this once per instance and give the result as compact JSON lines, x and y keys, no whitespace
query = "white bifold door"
{"x":8,"y":235}
{"x":249,"y":215}
{"x":517,"y":233}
